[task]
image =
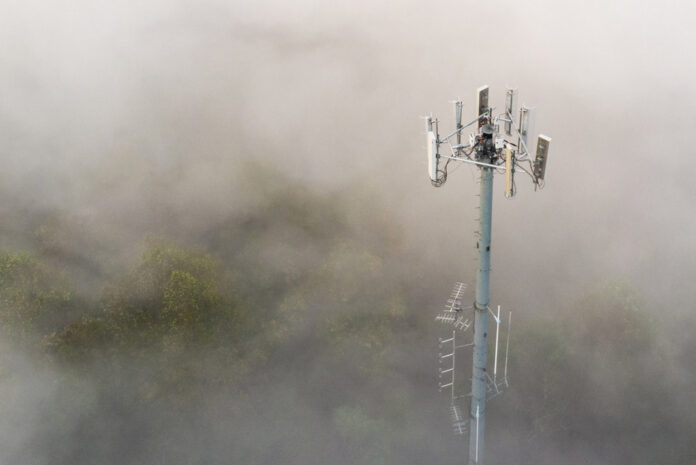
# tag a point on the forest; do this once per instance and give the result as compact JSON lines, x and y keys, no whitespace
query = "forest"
{"x":287,"y":335}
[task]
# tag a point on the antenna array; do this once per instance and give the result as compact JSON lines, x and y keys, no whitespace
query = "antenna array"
{"x":489,"y":148}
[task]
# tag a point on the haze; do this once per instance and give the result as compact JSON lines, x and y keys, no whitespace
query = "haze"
{"x":122,"y":120}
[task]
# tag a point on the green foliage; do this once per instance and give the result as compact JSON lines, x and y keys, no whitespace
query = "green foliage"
{"x":33,"y":301}
{"x":351,"y":305}
{"x":172,"y":297}
{"x":188,"y":304}
{"x":78,"y":340}
{"x":295,"y":296}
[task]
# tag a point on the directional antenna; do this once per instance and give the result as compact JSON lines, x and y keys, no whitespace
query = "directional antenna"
{"x":525,"y":126}
{"x":481,"y":103}
{"x":454,"y":303}
{"x":447,"y":317}
{"x":447,"y":356}
{"x":433,"y":147}
{"x":542,"y":154}
{"x":458,"y":321}
{"x":452,"y":314}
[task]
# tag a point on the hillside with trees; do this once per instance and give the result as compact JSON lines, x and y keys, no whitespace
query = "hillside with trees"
{"x":292,"y":336}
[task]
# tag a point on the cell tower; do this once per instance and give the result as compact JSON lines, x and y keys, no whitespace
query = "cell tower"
{"x":491,"y":151}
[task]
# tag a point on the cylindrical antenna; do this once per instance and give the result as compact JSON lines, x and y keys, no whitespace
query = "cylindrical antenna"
{"x":454,"y":354}
{"x":507,"y":348}
{"x":495,"y":362}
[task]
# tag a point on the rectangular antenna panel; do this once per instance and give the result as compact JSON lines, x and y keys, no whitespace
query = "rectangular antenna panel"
{"x":542,"y":155}
{"x":431,"y":142}
{"x":458,"y":113}
{"x":509,"y":109}
{"x":509,"y":171}
{"x":481,"y":102}
{"x":458,"y":119}
{"x":526,"y":128}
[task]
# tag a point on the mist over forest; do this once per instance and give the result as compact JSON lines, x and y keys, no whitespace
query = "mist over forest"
{"x":219,"y":243}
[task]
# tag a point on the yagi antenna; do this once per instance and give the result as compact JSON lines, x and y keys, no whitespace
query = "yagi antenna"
{"x":454,"y":315}
{"x":492,"y":151}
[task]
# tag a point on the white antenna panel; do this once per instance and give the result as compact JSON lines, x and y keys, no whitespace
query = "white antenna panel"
{"x":431,"y":142}
{"x":432,"y":158}
{"x":526,"y":128}
{"x":542,"y":155}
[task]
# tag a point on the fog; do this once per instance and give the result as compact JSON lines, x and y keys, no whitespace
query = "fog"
{"x":124,"y":120}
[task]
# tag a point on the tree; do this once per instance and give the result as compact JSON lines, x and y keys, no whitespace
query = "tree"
{"x":34,"y":302}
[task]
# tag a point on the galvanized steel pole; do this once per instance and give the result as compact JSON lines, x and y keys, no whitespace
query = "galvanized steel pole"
{"x":479,"y":374}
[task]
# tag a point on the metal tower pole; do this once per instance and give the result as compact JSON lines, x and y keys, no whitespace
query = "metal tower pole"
{"x":479,"y":374}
